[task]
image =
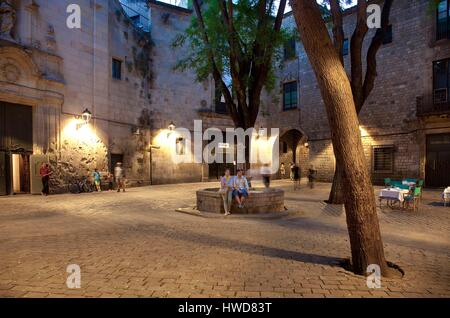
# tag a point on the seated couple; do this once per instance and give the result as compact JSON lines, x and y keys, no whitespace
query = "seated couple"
{"x":233,"y":187}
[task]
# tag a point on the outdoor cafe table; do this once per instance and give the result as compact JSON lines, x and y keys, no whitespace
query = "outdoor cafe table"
{"x":395,"y":194}
{"x":446,"y":196}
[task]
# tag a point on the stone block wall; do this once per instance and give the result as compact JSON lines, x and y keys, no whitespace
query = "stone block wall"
{"x":389,"y":115}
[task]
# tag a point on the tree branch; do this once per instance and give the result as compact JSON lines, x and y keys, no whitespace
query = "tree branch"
{"x":356,"y":53}
{"x":215,"y":70}
{"x":338,"y":29}
{"x":377,"y":42}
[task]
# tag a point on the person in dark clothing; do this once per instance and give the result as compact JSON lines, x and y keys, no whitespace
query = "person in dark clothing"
{"x":296,"y":173}
{"x":45,"y":173}
{"x":312,"y":174}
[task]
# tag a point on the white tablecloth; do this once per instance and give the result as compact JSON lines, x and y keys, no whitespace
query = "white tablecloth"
{"x":446,"y":195}
{"x":393,"y":194}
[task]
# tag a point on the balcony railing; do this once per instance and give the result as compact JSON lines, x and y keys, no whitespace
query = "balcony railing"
{"x":429,"y":105}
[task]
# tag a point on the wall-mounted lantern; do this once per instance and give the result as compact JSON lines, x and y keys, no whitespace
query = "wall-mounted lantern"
{"x":86,"y":116}
{"x":171,"y":128}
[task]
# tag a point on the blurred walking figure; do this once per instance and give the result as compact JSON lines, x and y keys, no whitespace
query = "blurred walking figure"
{"x":45,"y":173}
{"x":226,"y":191}
{"x":119,"y":176}
{"x":312,"y":174}
{"x":110,"y":179}
{"x":296,"y":177}
{"x":97,"y":180}
{"x":282,"y":170}
{"x":265,"y":173}
{"x":291,"y":167}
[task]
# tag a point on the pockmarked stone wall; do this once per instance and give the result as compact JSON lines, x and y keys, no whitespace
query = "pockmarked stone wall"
{"x":61,"y":71}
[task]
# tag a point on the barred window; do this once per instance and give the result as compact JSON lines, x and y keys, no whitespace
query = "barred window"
{"x":383,"y":158}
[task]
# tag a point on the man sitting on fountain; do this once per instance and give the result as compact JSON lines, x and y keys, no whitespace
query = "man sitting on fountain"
{"x":240,"y":188}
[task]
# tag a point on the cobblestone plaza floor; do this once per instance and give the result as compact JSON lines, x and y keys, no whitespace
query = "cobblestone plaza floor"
{"x":134,"y":244}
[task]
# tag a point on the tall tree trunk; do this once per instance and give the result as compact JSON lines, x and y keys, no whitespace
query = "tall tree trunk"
{"x":337,"y":194}
{"x":361,"y":86}
{"x":362,"y":221}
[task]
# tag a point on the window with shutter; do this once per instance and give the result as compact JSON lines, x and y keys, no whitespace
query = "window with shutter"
{"x":116,"y":69}
{"x":383,"y":158}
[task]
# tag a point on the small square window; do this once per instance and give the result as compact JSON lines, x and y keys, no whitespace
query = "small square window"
{"x":388,"y":35}
{"x":116,"y":69}
{"x":383,"y":159}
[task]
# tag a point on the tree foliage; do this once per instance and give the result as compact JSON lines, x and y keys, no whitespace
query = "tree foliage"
{"x":238,"y":44}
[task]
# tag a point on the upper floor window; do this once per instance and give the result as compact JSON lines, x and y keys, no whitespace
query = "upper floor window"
{"x":345,"y":47}
{"x":289,"y":49}
{"x":441,"y":81}
{"x":388,"y":36}
{"x":442,"y":20}
{"x":290,"y":95}
{"x":116,"y":69}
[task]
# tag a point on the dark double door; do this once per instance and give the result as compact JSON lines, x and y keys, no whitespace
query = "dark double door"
{"x":437,"y":170}
{"x":16,"y":146}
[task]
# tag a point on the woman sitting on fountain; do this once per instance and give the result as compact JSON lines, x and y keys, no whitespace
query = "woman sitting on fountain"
{"x":240,"y":188}
{"x":225,"y":191}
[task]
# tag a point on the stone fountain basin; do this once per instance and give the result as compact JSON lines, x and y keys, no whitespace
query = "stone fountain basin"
{"x":259,"y":201}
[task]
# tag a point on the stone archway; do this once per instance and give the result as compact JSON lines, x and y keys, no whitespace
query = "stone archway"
{"x":24,"y":87}
{"x":292,"y":150}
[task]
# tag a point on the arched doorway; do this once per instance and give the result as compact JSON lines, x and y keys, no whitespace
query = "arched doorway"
{"x":292,"y":150}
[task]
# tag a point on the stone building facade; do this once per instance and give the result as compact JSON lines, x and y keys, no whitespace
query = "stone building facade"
{"x":405,"y":130}
{"x":112,"y":66}
{"x":120,"y":66}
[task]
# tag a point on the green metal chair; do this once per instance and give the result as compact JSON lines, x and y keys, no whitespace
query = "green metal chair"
{"x":387,"y":182}
{"x":420,"y":184}
{"x":414,"y":198}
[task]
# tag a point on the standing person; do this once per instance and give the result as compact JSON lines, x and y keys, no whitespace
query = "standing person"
{"x":225,"y":191}
{"x":240,"y":188}
{"x":282,"y":170}
{"x":312,"y":174}
{"x":45,"y":173}
{"x":97,"y":180}
{"x":291,"y":167}
{"x":118,"y":174}
{"x":296,"y":177}
{"x":110,"y":179}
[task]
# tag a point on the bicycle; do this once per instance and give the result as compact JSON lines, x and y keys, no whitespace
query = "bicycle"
{"x":80,"y":186}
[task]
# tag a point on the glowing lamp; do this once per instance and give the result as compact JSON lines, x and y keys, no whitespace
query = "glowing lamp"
{"x":172,"y":126}
{"x":86,"y":116}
